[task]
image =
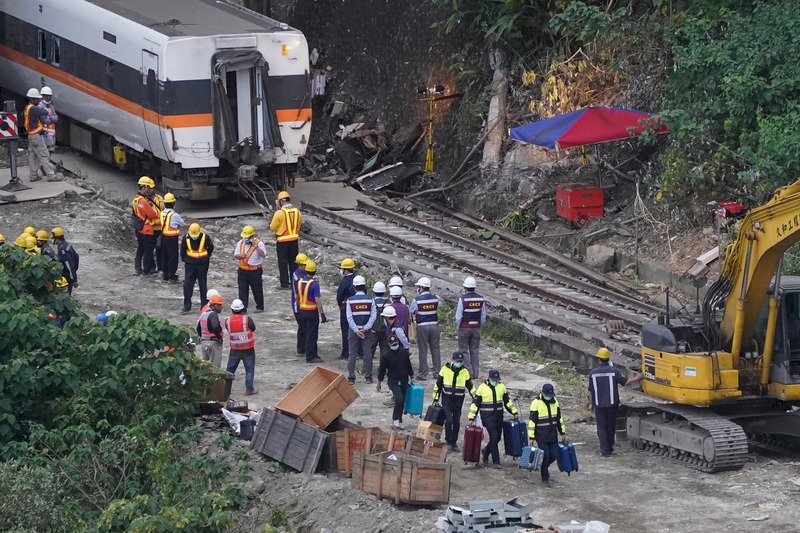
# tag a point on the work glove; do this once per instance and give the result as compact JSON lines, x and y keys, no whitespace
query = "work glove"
{"x":324,"y":318}
{"x":471,"y":423}
{"x":436,"y":403}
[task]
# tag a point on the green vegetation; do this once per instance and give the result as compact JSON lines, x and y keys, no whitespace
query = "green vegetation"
{"x":96,"y":425}
{"x":725,"y":74}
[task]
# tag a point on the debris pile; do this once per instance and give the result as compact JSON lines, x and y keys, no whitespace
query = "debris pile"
{"x":363,"y":154}
{"x":489,"y":515}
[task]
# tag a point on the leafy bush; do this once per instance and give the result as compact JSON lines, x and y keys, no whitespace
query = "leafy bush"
{"x":100,"y":415}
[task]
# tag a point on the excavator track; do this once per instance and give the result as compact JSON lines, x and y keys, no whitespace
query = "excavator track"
{"x":698,"y":437}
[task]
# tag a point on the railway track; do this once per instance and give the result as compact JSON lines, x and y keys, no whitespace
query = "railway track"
{"x":537,"y":286}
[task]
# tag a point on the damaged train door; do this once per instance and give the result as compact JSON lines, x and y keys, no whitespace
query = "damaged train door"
{"x":245,"y":126}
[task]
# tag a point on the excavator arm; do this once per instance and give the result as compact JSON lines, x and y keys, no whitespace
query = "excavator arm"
{"x":751,"y":261}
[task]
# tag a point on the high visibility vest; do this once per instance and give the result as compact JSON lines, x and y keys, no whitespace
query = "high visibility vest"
{"x":198,"y":253}
{"x":454,"y":382}
{"x":243,"y":262}
{"x":302,"y":295}
{"x":241,"y":338}
{"x":31,"y":129}
{"x":491,"y":403}
{"x":361,"y":308}
{"x":205,"y":308}
{"x":548,"y":419}
{"x":205,"y":334}
{"x":427,"y":308}
{"x":291,"y":217}
{"x":166,"y":220}
{"x":158,"y":205}
{"x":473,"y":305}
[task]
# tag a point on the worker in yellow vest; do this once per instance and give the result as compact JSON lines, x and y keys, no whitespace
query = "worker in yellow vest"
{"x":286,"y":225}
{"x":196,"y":250}
{"x":250,"y":252}
{"x":310,"y":306}
{"x":171,"y":224}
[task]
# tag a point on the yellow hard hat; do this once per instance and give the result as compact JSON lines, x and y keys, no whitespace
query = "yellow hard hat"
{"x":58,"y":232}
{"x":194,"y":229}
{"x":61,"y":282}
{"x":42,"y":235}
{"x":2,"y":238}
{"x":283,"y":195}
{"x":30,"y":230}
{"x":169,"y":198}
{"x":603,"y":353}
{"x":148,"y":181}
{"x":348,"y":262}
{"x":21,"y":240}
{"x":301,"y":259}
{"x":248,"y":232}
{"x":311,"y":267}
{"x":30,"y":242}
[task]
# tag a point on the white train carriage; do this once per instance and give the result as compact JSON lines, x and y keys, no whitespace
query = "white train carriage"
{"x":199,"y":92}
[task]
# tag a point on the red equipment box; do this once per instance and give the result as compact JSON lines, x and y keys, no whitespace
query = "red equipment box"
{"x":579,"y":202}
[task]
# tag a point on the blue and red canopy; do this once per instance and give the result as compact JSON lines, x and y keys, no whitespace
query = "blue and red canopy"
{"x":587,"y":126}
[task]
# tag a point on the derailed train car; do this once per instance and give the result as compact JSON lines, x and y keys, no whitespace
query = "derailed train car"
{"x":201,"y":93}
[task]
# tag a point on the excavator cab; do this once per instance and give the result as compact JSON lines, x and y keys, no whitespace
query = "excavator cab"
{"x":785,"y":367}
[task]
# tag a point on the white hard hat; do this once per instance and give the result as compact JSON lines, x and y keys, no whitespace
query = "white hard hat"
{"x":211,"y":292}
{"x":395,"y":291}
{"x":379,"y":287}
{"x":469,"y":283}
{"x":236,"y":305}
{"x":389,"y":312}
{"x":46,"y":91}
{"x":396,"y":281}
{"x":424,"y":282}
{"x":33,"y":93}
{"x":111,"y":313}
{"x":359,"y":281}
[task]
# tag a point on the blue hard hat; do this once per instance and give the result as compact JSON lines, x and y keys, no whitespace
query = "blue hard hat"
{"x":101,"y":317}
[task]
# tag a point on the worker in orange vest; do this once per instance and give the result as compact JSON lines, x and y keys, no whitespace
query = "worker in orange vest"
{"x":171,"y":223}
{"x":158,"y":203}
{"x":196,"y":250}
{"x":35,"y":120}
{"x":210,"y":330}
{"x":286,"y":225}
{"x":310,"y":306}
{"x":144,"y":213}
{"x":241,"y":335}
{"x":250,"y":252}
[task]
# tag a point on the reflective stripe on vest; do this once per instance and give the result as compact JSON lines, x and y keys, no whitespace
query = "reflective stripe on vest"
{"x":427,"y":309}
{"x":205,"y":334}
{"x":201,"y":248}
{"x":135,"y":207}
{"x":205,"y":308}
{"x":302,"y":295}
{"x":27,"y":122}
{"x":458,"y":381}
{"x":166,"y":220}
{"x":472,"y":306}
{"x":241,"y":337}
{"x":49,"y":128}
{"x":243,"y":263}
{"x":360,"y":308}
{"x":158,"y":205}
{"x":291,"y":215}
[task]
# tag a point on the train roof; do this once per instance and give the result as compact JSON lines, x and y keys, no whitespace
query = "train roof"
{"x":191,"y":18}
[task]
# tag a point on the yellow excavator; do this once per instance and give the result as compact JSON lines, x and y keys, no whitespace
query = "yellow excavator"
{"x":735,"y":373}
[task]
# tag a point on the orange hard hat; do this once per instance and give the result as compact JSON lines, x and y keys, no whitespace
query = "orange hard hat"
{"x":216,"y":299}
{"x":283,"y":195}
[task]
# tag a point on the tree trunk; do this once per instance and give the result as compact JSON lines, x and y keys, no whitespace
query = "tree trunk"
{"x":495,"y":123}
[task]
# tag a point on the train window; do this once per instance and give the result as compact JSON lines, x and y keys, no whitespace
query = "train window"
{"x":56,"y":51}
{"x":110,"y":37}
{"x":42,"y":45}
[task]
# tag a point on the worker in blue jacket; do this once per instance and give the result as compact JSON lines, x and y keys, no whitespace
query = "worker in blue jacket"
{"x":344,"y":292}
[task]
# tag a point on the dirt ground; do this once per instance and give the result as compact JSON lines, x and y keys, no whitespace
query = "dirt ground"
{"x":632,"y":491}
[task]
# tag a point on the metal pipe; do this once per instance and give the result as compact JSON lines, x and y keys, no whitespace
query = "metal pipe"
{"x":772,"y":324}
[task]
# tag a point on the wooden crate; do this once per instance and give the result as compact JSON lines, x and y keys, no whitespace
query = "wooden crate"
{"x":289,"y":441}
{"x":391,"y":441}
{"x":349,"y":441}
{"x":404,"y":479}
{"x":433,"y":451}
{"x":319,"y":398}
